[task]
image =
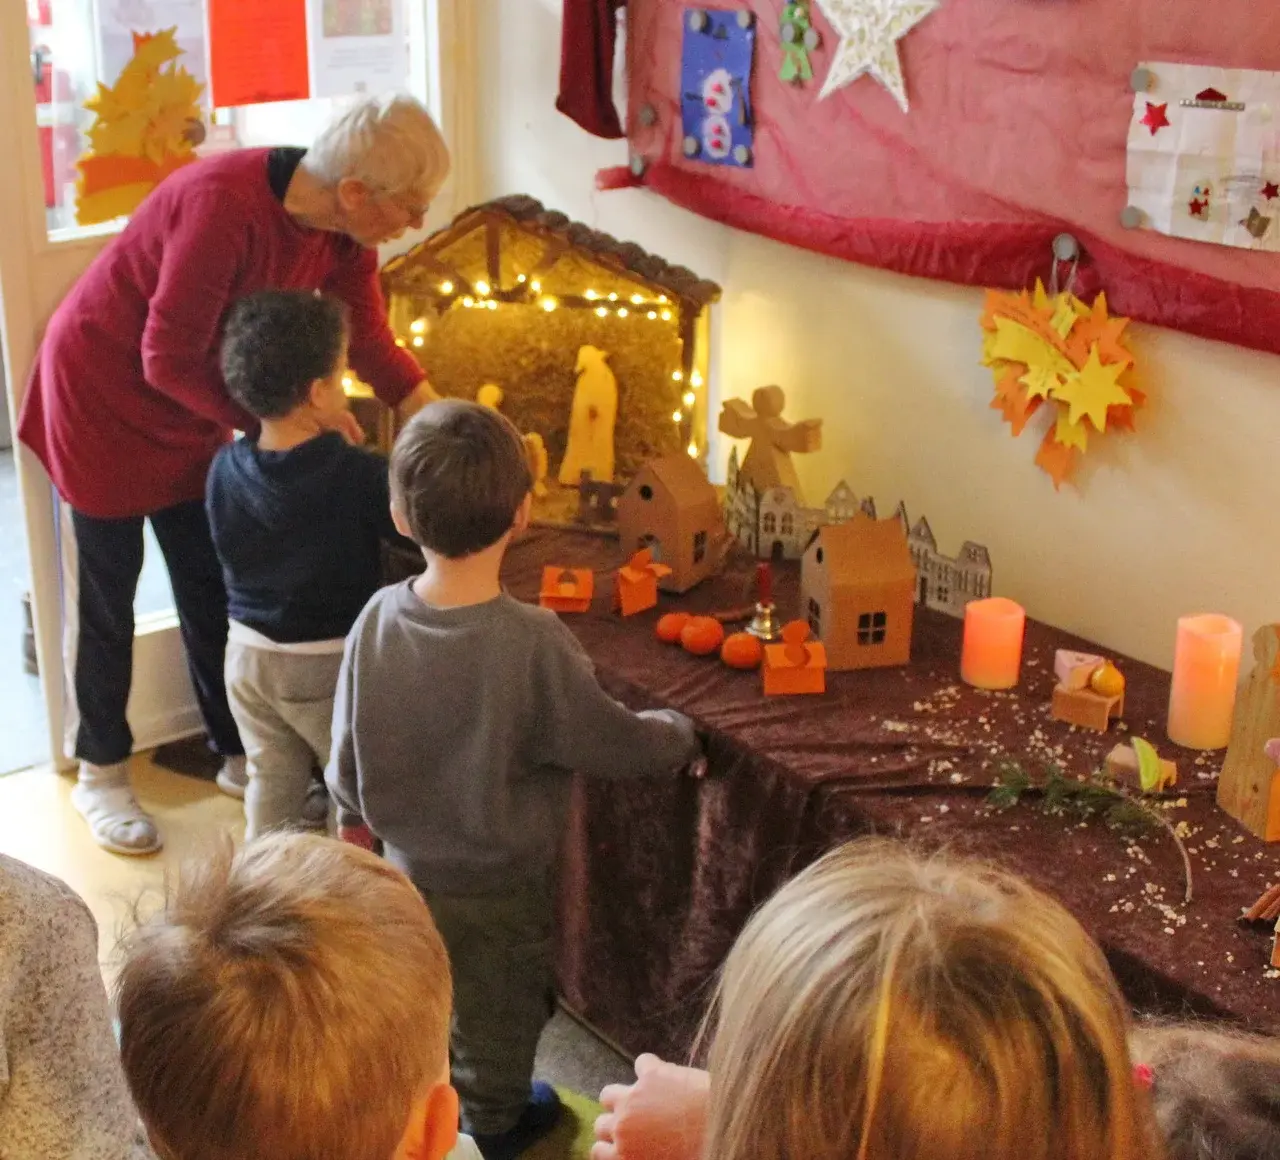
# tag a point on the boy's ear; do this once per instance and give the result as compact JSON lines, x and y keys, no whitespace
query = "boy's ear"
{"x":317,"y":393}
{"x":398,"y":519}
{"x":524,"y":513}
{"x":433,"y":1134}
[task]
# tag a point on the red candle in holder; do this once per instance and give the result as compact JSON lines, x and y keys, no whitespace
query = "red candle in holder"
{"x":764,"y":583}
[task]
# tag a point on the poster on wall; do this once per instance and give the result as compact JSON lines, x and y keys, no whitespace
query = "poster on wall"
{"x":1204,"y":154}
{"x":118,"y":20}
{"x":358,"y":46}
{"x":257,"y":52}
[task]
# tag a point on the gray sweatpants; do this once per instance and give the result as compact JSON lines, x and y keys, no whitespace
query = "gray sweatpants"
{"x":500,"y":949}
{"x":283,"y":706}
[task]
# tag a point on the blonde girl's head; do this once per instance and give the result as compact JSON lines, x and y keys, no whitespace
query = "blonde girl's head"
{"x":883,"y":1006}
{"x":1216,"y":1093}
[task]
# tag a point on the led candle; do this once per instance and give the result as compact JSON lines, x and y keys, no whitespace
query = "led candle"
{"x":991,"y":657}
{"x":1206,"y":665}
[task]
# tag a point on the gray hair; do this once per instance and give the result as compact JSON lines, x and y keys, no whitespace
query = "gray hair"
{"x":391,"y":144}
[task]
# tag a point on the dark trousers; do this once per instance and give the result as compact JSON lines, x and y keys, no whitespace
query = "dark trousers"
{"x":109,"y":564}
{"x":501,"y":949}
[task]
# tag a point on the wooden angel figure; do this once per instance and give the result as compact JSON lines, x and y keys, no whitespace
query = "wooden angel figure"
{"x":591,"y":420}
{"x":773,"y":439}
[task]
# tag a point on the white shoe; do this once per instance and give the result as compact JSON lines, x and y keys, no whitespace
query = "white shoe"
{"x":103,"y":797}
{"x":233,"y":777}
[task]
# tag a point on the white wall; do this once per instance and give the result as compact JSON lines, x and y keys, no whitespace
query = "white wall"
{"x":1179,"y":518}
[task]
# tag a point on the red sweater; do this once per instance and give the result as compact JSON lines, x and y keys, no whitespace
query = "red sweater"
{"x":126,"y":406}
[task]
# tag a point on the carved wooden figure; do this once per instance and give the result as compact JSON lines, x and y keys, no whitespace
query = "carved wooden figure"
{"x":591,"y":421}
{"x":1249,"y":788}
{"x":773,"y":439}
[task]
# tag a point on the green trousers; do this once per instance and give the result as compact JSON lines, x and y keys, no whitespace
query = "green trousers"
{"x":500,"y":948}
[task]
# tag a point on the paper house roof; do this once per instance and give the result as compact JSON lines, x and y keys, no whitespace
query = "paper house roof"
{"x":1211,"y":95}
{"x":683,"y":478}
{"x":866,"y":550}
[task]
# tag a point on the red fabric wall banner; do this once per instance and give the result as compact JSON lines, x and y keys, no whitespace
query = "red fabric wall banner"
{"x":1017,"y":131}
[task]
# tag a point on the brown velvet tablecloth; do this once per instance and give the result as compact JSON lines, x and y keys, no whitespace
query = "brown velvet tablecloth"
{"x":659,"y":875}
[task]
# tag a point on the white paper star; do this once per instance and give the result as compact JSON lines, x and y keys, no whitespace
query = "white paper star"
{"x":869,"y":34}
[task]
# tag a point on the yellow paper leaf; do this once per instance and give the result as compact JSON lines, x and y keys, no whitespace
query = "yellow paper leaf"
{"x":1091,"y":390}
{"x":1039,"y":299}
{"x":1016,"y":343}
{"x":1070,"y":434}
{"x":1040,"y":382}
{"x":1064,"y":315}
{"x":111,"y":203}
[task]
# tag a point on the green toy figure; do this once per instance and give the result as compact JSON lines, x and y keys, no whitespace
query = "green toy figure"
{"x":799,"y":39}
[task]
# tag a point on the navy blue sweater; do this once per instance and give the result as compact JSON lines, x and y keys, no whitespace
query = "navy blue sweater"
{"x":299,"y":534}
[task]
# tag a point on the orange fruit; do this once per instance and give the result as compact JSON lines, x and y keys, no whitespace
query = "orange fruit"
{"x":702,"y":635}
{"x":742,"y":651}
{"x":671,"y":626}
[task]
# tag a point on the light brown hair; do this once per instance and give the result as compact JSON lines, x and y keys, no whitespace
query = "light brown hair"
{"x":290,"y":1001}
{"x":459,"y":473}
{"x":1216,"y":1092}
{"x":883,"y":1006}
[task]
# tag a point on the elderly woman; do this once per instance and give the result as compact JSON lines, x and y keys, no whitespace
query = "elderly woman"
{"x":126,"y":405}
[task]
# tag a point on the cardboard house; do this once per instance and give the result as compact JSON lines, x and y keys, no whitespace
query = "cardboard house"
{"x":671,"y":509}
{"x":857,"y":591}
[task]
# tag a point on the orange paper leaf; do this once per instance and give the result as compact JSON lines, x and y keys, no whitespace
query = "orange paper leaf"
{"x":1014,"y":402}
{"x":1057,"y":461}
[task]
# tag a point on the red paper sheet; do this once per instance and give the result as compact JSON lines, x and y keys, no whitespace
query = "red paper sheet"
{"x":257,"y":52}
{"x":1017,"y":131}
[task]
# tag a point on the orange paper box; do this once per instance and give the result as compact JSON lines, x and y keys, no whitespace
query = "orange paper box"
{"x":795,"y":666}
{"x":637,"y":583}
{"x":567,"y":589}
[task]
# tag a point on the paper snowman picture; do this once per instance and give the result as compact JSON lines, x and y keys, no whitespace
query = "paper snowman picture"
{"x":715,"y":78}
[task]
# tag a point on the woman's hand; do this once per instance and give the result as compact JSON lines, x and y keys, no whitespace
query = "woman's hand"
{"x":662,"y":1116}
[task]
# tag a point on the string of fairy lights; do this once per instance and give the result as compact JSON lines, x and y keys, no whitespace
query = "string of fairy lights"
{"x":480,"y":295}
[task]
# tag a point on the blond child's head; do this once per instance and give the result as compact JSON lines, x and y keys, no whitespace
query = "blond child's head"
{"x":887,"y":1007}
{"x":1216,"y":1093}
{"x":290,"y":1001}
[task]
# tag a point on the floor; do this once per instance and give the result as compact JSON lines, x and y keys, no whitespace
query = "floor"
{"x":23,"y":732}
{"x":39,"y":826}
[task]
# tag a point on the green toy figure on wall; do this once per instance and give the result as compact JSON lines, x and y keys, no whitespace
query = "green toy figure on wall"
{"x":799,"y":38}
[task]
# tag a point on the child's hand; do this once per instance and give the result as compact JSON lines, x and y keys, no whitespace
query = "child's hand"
{"x":359,"y":835}
{"x":346,"y":425}
{"x":663,"y":1114}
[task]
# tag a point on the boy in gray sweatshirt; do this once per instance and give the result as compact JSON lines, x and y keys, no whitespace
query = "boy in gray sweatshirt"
{"x":461,"y":715}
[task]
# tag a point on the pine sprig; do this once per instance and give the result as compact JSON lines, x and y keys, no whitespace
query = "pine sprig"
{"x":1096,"y":796}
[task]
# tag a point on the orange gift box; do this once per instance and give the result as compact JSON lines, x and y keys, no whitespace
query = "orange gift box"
{"x":795,"y":666}
{"x":637,"y":584}
{"x":567,"y":589}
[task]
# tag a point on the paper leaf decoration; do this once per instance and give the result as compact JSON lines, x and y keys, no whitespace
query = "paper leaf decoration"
{"x":1150,"y":774}
{"x":869,"y":32}
{"x":142,"y":131}
{"x":1060,"y":353}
